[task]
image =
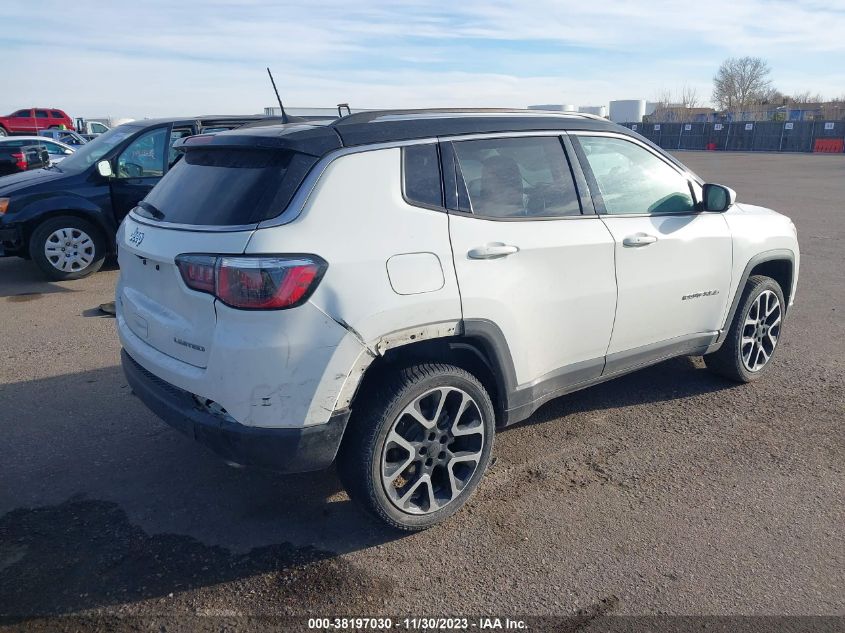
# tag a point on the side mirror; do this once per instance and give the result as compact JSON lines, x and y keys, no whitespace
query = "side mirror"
{"x":718,"y":198}
{"x":104,"y":167}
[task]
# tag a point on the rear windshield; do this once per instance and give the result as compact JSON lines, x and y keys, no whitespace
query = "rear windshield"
{"x":225,"y":186}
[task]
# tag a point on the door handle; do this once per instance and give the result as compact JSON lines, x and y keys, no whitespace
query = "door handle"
{"x":493,"y":250}
{"x":639,"y":239}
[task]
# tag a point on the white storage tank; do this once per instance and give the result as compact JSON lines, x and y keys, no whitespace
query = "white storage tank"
{"x":554,"y":107}
{"x":597,"y":110}
{"x":627,"y":110}
{"x":548,"y":107}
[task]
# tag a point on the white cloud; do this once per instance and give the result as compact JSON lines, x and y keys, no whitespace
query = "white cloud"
{"x":160,"y":58}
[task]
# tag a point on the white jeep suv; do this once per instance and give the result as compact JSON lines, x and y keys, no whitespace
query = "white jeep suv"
{"x":387,"y":289}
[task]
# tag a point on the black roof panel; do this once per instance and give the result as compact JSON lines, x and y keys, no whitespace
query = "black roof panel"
{"x":384,"y":126}
{"x":391,"y":125}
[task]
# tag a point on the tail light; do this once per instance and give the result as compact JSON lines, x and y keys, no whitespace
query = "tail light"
{"x":254,"y":283}
{"x":20,"y":160}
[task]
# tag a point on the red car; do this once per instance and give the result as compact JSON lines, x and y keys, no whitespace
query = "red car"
{"x":33,"y":119}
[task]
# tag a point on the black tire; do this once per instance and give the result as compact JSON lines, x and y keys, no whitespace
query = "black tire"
{"x":3,"y":131}
{"x":96,"y":252}
{"x":359,"y":460}
{"x":727,"y":361}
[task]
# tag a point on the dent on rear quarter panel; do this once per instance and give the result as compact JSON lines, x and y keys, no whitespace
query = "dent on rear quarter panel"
{"x":280,"y":359}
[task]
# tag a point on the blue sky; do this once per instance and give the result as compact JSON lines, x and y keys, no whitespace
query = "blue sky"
{"x":208,"y":56}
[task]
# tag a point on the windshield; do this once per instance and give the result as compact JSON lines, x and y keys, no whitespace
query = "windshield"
{"x":90,"y":153}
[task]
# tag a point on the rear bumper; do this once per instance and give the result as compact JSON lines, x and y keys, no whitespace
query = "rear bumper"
{"x":287,"y":450}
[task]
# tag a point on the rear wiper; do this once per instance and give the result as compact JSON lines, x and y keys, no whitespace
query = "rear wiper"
{"x":146,"y":206}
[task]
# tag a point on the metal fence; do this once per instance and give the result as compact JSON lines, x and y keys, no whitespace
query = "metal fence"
{"x":759,"y":136}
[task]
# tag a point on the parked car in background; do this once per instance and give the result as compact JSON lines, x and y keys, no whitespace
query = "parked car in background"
{"x":31,"y":120}
{"x":90,"y":129}
{"x":87,"y":195}
{"x":56,"y":150}
{"x":391,"y":288}
{"x":22,"y":156}
{"x":68,"y":137}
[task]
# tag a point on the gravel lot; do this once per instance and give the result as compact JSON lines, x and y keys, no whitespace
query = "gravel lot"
{"x":667,"y":491}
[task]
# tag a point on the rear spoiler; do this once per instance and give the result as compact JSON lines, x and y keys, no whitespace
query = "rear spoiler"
{"x":308,"y":139}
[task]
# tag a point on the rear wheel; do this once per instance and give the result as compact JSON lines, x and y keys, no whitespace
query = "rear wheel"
{"x":67,"y":247}
{"x":3,"y":132}
{"x":754,"y":333}
{"x":416,"y":450}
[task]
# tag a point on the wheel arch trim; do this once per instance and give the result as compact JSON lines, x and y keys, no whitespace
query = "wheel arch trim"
{"x":35,"y":215}
{"x":481,"y":337}
{"x":778,"y":254}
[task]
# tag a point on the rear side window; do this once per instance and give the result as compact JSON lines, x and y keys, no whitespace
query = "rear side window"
{"x":524,"y":177}
{"x":421,"y":175}
{"x":56,"y":114}
{"x":225,"y":186}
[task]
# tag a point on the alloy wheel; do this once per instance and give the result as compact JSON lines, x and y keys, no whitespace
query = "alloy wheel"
{"x":432,"y":450}
{"x":760,"y":331}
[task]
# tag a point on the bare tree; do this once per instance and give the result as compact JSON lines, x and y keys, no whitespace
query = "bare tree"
{"x":663,"y":99}
{"x":662,"y":105}
{"x":740,"y":82}
{"x":689,"y":97}
{"x":775,"y":97}
{"x":806,"y":97}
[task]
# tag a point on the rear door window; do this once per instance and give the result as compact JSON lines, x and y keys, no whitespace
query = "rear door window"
{"x":41,"y":114}
{"x":421,"y":175}
{"x":520,"y":177}
{"x":227,"y":186}
{"x":176,"y":134}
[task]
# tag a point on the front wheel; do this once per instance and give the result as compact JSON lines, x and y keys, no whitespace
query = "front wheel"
{"x":3,"y":132}
{"x":415,"y":450}
{"x":754,"y":333}
{"x":67,"y":247}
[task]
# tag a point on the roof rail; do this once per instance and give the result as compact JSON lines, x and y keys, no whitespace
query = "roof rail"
{"x":372,"y":115}
{"x":587,"y":115}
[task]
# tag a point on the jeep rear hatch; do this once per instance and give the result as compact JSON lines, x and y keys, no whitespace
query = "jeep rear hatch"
{"x":227,"y":186}
{"x":157,"y":305}
{"x":173,"y":275}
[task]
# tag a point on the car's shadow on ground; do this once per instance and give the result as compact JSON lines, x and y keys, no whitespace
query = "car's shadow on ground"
{"x":22,"y":280}
{"x":676,"y":378}
{"x":107,"y":505}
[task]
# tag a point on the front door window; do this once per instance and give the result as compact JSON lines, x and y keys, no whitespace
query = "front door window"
{"x":144,"y":157}
{"x":632,"y":180}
